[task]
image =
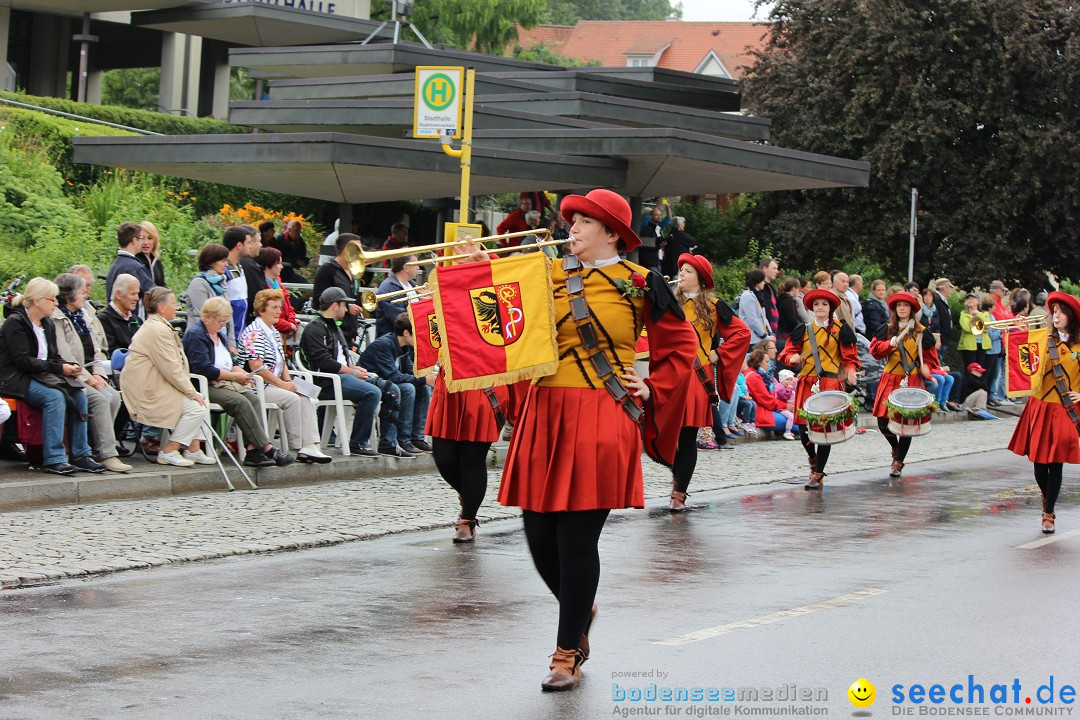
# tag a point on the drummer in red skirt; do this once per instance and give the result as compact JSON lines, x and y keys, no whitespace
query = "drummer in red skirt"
{"x":838,"y":357}
{"x":900,"y":343}
{"x":712,"y":320}
{"x":1046,"y":434}
{"x":462,"y":426}
{"x":576,"y":451}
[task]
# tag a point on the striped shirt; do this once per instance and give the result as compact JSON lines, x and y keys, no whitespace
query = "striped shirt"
{"x":262,"y":342}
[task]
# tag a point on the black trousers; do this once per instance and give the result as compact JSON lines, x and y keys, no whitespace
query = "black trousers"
{"x":1048,"y":475}
{"x":819,"y":454}
{"x":463,"y":465}
{"x":900,"y":445}
{"x":564,"y":549}
{"x":685,"y":458}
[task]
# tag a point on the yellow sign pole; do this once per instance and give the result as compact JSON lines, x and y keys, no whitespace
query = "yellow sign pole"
{"x":465,"y":153}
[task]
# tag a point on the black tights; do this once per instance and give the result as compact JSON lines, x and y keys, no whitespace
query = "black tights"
{"x":685,"y":458}
{"x":820,"y":455}
{"x":564,"y":549}
{"x":1048,"y":475}
{"x":900,"y":445}
{"x":463,"y":465}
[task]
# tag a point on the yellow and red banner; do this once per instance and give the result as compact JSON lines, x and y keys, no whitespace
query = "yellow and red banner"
{"x":428,"y":338}
{"x":1024,"y":363}
{"x":497,"y":320}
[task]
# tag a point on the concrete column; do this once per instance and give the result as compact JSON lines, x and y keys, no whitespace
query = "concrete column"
{"x":51,"y":41}
{"x":221,"y":88}
{"x":5,"y":27}
{"x":94,"y":79}
{"x":172,"y":66}
{"x":179,"y":89}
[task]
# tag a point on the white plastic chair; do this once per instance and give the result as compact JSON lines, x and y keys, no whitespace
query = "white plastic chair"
{"x":201,"y":384}
{"x":336,"y":418}
{"x":272,"y":414}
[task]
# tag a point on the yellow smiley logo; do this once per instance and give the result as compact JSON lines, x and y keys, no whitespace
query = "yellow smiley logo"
{"x":862,"y":693}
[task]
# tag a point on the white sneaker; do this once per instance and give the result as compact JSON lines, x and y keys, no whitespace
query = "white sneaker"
{"x":165,"y":458}
{"x":312,"y":454}
{"x":789,"y":436}
{"x":199,"y":457}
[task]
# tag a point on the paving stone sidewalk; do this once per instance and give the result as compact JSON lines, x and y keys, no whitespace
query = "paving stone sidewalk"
{"x":58,"y":542}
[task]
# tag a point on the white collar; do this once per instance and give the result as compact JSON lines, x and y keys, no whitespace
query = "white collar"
{"x":691,"y":295}
{"x":602,"y":263}
{"x":821,"y":324}
{"x":1064,"y":336}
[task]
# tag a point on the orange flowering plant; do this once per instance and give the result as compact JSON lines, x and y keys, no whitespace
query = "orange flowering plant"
{"x":254,"y":215}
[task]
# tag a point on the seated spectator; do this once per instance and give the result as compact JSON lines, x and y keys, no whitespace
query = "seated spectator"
{"x":270,"y":261}
{"x":941,"y":380}
{"x":787,"y":307}
{"x":784,"y":390}
{"x":400,"y":277}
{"x":976,"y":391}
{"x":751,"y":311}
{"x":726,"y":417}
{"x":150,"y":254}
{"x":230,"y":387}
{"x":760,"y":384}
{"x":262,"y":351}
{"x":32,"y":371}
{"x":211,"y":281}
{"x":823,"y":280}
{"x":267,"y":230}
{"x":391,"y":357}
{"x":129,"y":237}
{"x":91,"y":308}
{"x":156,"y":388}
{"x":119,"y":319}
{"x":324,"y":350}
{"x":77,"y":345}
{"x":293,"y":251}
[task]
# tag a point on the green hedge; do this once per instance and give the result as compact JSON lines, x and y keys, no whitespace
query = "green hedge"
{"x":142,"y":119}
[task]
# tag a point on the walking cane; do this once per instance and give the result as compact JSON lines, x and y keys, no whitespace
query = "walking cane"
{"x":211,"y":435}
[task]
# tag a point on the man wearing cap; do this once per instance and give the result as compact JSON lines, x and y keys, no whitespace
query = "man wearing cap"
{"x":975,"y":392}
{"x":324,"y":349}
{"x":943,"y":288}
{"x":1000,"y":311}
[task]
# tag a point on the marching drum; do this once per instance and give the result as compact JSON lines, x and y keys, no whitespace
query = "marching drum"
{"x":910,"y":411}
{"x":829,"y":416}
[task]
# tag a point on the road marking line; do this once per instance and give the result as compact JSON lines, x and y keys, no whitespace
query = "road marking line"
{"x":774,"y":617}
{"x":1047,"y":540}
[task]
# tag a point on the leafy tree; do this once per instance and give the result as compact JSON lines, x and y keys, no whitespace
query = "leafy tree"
{"x":568,"y":12}
{"x":486,"y":26}
{"x":538,"y":52}
{"x":132,"y":87}
{"x":975,"y":104}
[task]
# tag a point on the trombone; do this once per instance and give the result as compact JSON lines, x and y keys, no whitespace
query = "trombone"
{"x":541,"y":232}
{"x":369,"y":300}
{"x":1023,"y":322}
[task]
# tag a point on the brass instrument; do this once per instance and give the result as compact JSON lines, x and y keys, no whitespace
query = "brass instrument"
{"x":1023,"y":322}
{"x":357,"y":258}
{"x":541,"y":232}
{"x":369,"y":300}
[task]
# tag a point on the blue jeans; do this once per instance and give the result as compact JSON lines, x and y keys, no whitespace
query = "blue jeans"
{"x":54,"y":411}
{"x":365,"y":398}
{"x":412,"y":415}
{"x":942,"y":385}
{"x":779,"y":423}
{"x":727,"y":413}
{"x":995,"y":379}
{"x":747,"y":409}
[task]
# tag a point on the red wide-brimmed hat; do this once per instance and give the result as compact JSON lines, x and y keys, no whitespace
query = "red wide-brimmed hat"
{"x":904,"y":296}
{"x":827,"y":295}
{"x":702,"y":265}
{"x":609,"y":208}
{"x":1060,"y":297}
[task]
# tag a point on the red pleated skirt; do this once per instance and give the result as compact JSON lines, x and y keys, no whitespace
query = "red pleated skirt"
{"x":463,"y":416}
{"x":573,"y":449}
{"x":1045,"y":434}
{"x":803,"y":389}
{"x":697,"y":412}
{"x":887,"y":384}
{"x":517,"y":392}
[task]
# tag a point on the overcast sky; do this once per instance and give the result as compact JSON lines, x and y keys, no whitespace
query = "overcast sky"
{"x":729,"y":10}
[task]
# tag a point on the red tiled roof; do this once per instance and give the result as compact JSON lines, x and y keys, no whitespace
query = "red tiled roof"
{"x":609,"y":40}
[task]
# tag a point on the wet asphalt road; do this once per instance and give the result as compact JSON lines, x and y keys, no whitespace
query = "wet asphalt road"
{"x":913,"y":581}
